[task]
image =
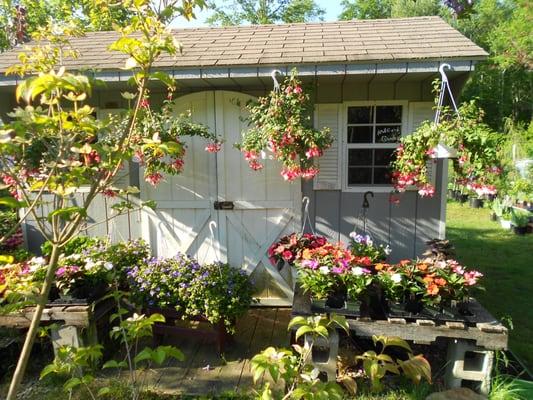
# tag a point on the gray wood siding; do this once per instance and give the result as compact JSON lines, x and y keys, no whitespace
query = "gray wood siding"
{"x":405,"y":226}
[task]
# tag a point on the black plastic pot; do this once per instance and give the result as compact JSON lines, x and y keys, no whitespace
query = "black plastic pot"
{"x":476,"y":203}
{"x":520,"y":230}
{"x":493,"y":217}
{"x":337,"y":299}
{"x":414,"y":305}
{"x":463,"y":198}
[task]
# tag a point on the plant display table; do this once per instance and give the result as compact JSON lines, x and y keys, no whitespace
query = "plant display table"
{"x":470,"y":347}
{"x":79,"y":324}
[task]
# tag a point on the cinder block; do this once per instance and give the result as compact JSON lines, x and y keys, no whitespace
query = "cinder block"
{"x":468,"y":363}
{"x":324,"y":354}
{"x":66,"y":336}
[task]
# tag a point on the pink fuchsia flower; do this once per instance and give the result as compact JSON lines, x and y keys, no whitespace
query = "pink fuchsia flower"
{"x":213,"y":147}
{"x":313,"y":152}
{"x":430,"y":152}
{"x":309,"y":173}
{"x":290,"y":174}
{"x":297,"y":89}
{"x":255,"y":165}
{"x":144,"y":103}
{"x":471,"y":277}
{"x":427,"y":190}
{"x":251,"y":155}
{"x":154,"y":178}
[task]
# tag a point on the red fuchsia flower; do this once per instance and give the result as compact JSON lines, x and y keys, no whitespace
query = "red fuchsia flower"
{"x":313,"y":152}
{"x":255,"y":165}
{"x":427,"y":190}
{"x":93,"y":157}
{"x":177,"y":164}
{"x":144,"y":103}
{"x":471,"y":277}
{"x":213,"y":147}
{"x":109,"y":193}
{"x":394,"y":199}
{"x":297,"y":89}
{"x":251,"y":155}
{"x":154,"y":178}
{"x":309,"y":173}
{"x":430,"y":152}
{"x":288,"y":90}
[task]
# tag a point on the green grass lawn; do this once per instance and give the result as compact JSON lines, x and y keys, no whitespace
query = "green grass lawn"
{"x":506,"y":260}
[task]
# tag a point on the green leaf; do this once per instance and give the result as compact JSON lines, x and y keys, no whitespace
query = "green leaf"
{"x":115,"y":364}
{"x":297,"y":321}
{"x":10,"y":202}
{"x":164,"y":77}
{"x":143,"y":355}
{"x":302,"y":330}
{"x":103,"y":391}
{"x":72,"y":383}
{"x":49,"y":369}
{"x":67,"y":213}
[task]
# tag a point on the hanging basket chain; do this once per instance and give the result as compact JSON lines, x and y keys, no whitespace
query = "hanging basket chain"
{"x":306,"y":220}
{"x":276,"y":83}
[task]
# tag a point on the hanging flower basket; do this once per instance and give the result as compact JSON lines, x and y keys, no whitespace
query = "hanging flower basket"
{"x":281,"y":129}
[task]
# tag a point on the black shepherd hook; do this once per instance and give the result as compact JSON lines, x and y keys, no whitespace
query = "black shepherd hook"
{"x":366,"y":204}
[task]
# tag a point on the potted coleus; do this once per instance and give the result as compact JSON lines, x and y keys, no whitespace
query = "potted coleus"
{"x":519,"y":221}
{"x":281,"y":128}
{"x":217,"y":292}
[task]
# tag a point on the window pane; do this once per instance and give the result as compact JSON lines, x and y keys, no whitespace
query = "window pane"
{"x":382,"y":176}
{"x":359,"y":176}
{"x":388,"y":134}
{"x":388,"y":114}
{"x":359,"y":157}
{"x":383,"y":157}
{"x":360,"y":115}
{"x":360,"y":134}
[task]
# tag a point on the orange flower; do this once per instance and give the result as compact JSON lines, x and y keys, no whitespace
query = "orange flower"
{"x":422,"y":267}
{"x":440,"y":282}
{"x":379,"y":266}
{"x":307,"y":254}
{"x":428,"y":279}
{"x":405,"y":262}
{"x":432,"y":290}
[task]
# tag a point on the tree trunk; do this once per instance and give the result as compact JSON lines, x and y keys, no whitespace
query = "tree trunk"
{"x":34,"y":326}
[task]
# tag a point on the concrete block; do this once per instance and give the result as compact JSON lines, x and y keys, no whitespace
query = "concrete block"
{"x":467,"y":363}
{"x":324,"y":354}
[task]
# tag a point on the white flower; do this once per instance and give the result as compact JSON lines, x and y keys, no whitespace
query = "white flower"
{"x":387,"y":250}
{"x":353,"y":234}
{"x":396,"y":278}
{"x":440,"y":264}
{"x":108,"y":265}
{"x":357,"y":271}
{"x":369,"y":241}
{"x":324,"y":270}
{"x":36,"y":263}
{"x":90,"y":264}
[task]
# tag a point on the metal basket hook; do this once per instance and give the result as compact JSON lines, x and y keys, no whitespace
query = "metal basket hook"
{"x":443,"y":75}
{"x":276,"y":83}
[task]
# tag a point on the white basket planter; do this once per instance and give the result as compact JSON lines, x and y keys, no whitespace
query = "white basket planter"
{"x":506,"y":224}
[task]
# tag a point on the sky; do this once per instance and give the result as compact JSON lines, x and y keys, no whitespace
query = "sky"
{"x":332,"y":7}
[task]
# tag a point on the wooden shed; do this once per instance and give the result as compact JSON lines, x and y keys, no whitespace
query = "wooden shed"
{"x":371,"y":82}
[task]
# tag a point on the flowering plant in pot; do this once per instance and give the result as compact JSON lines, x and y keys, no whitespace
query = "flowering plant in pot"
{"x":217,"y":292}
{"x":280,"y":126}
{"x":320,"y":272}
{"x":364,"y":246}
{"x":289,"y":248}
{"x":159,"y":139}
{"x":20,"y":282}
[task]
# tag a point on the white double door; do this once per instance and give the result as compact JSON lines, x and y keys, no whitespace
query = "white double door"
{"x":264,"y":206}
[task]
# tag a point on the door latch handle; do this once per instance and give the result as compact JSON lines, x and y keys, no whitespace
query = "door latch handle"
{"x":224,"y":205}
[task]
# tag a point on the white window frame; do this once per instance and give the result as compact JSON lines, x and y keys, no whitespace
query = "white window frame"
{"x":345,"y":145}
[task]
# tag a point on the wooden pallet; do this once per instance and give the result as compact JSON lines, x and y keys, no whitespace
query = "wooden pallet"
{"x":486,"y":331}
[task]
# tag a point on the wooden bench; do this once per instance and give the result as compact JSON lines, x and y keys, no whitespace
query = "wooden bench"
{"x":78,"y":324}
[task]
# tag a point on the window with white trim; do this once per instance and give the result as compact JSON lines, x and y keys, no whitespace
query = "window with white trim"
{"x":372,"y":133}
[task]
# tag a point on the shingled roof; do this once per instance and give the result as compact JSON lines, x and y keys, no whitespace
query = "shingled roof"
{"x":357,"y":41}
